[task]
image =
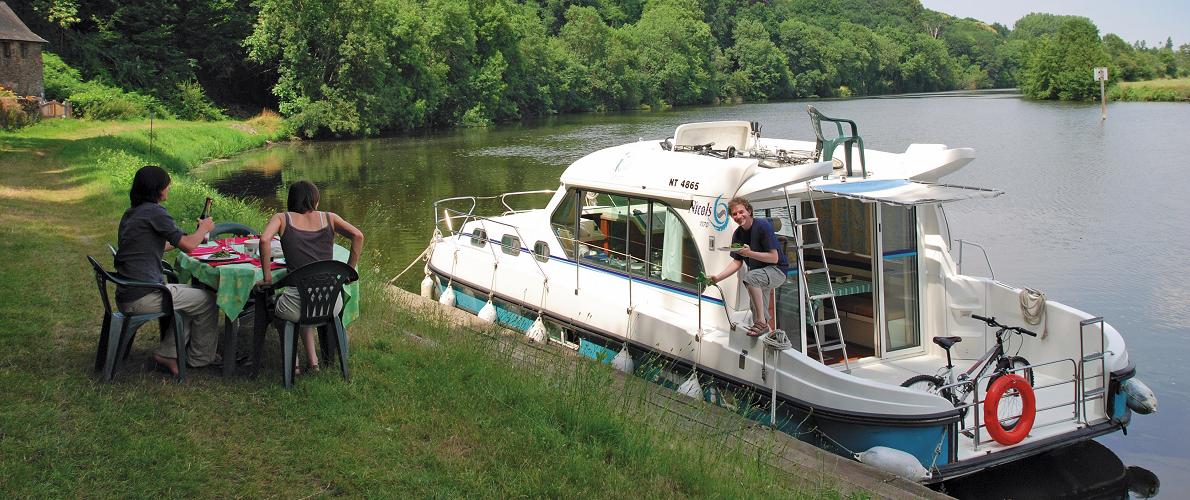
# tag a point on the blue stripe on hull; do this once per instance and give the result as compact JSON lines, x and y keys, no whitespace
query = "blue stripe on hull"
{"x":930,"y":445}
{"x":504,"y":316}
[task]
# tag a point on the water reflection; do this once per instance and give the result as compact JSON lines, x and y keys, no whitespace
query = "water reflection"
{"x":1084,"y":470}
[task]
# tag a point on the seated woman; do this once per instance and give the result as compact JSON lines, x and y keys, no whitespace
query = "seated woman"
{"x":307,"y":235}
{"x":146,"y":232}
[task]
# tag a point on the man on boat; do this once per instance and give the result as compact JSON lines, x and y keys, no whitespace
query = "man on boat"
{"x":765,"y":258}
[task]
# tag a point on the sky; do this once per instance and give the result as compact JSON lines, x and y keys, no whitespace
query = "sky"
{"x":1148,"y":20}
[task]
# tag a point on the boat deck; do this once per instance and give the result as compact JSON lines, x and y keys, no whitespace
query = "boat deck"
{"x":1054,"y":399}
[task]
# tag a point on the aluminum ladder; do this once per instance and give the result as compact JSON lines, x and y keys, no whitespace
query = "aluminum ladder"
{"x":823,"y":326}
{"x":1089,"y":359}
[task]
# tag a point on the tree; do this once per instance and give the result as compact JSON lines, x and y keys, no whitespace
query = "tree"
{"x":761,"y":70}
{"x":1059,"y":65}
{"x":349,"y":67}
{"x":676,"y":53}
{"x":806,"y":48}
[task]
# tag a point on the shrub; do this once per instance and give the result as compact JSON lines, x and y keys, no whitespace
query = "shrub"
{"x":93,"y":99}
{"x":17,"y":112}
{"x":192,"y":103}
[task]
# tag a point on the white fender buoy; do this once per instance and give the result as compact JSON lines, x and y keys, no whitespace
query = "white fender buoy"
{"x":894,"y":461}
{"x":488,"y":312}
{"x":537,"y":332}
{"x":427,"y":287}
{"x":623,"y":361}
{"x":448,"y":297}
{"x":691,"y":387}
{"x":1140,"y":398}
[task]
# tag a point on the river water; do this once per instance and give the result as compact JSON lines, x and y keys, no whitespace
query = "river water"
{"x":1094,"y":215}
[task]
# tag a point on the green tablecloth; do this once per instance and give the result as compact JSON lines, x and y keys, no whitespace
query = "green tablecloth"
{"x":233,"y":283}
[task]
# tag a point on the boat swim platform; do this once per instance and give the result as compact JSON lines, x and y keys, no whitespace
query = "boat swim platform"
{"x":1052,"y":391}
{"x":802,"y":461}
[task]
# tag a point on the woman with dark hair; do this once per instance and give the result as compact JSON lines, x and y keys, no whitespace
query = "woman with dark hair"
{"x":146,"y":232}
{"x":307,"y":235}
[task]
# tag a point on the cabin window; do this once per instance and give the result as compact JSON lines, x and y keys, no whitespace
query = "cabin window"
{"x":644,"y":238}
{"x":612,"y":231}
{"x":24,"y":51}
{"x":673,"y":255}
{"x":7,"y":49}
{"x":562,"y":221}
{"x":510,"y":245}
{"x":479,"y":237}
{"x":898,"y":241}
{"x":541,"y":251}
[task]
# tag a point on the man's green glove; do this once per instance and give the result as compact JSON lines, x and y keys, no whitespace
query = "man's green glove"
{"x":704,"y":280}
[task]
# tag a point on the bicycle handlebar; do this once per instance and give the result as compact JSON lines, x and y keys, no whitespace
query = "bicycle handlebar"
{"x":993,"y":323}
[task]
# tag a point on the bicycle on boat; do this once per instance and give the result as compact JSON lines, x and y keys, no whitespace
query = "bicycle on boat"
{"x":1010,"y":398}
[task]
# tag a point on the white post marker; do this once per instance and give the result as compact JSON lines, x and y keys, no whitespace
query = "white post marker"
{"x":1101,"y":77}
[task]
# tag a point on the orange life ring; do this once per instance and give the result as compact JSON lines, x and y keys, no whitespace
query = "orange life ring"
{"x":991,"y":407}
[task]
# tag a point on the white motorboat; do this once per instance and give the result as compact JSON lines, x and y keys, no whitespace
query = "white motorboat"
{"x":610,"y":266}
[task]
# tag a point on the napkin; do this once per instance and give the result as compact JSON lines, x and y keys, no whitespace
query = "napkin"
{"x":204,"y":250}
{"x":272,"y":265}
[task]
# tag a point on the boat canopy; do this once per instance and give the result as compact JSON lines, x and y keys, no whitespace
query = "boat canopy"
{"x":905,"y":192}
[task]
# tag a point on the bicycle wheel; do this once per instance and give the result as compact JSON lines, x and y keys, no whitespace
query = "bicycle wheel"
{"x":1010,"y":404}
{"x":930,"y":384}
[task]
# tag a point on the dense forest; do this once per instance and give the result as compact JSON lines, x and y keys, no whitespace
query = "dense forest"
{"x":362,"y":67}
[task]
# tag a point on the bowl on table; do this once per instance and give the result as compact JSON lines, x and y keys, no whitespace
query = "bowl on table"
{"x":252,"y":247}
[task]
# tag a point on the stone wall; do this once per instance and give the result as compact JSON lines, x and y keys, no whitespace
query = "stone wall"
{"x":21,"y":69}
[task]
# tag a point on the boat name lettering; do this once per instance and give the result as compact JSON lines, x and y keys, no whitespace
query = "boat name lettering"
{"x":715,"y":212}
{"x":674,"y":181}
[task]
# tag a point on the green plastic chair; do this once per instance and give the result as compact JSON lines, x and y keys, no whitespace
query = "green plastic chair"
{"x":825,"y":148}
{"x":119,"y":329}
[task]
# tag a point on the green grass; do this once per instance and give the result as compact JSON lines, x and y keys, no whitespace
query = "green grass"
{"x":448,"y":417}
{"x":1152,"y":90}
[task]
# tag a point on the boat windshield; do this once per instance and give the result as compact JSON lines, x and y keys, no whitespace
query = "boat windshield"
{"x":637,"y":236}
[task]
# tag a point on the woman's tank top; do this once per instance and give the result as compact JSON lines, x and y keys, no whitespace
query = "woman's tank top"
{"x":303,"y":247}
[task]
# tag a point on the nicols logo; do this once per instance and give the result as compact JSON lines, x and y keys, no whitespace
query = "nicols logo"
{"x":716,"y":212}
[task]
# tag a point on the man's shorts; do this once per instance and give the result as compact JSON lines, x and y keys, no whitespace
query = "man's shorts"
{"x":767,"y":277}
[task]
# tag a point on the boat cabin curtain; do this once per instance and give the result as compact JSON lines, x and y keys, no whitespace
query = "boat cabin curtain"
{"x":671,"y":255}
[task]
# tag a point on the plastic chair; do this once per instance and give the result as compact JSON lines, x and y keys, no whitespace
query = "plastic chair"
{"x":119,"y":329}
{"x":232,"y":229}
{"x":319,"y":285}
{"x":824,"y":150}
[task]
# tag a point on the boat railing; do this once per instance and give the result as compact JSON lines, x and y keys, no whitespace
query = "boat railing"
{"x":471,"y":203}
{"x":963,"y":243}
{"x":1075,"y":403}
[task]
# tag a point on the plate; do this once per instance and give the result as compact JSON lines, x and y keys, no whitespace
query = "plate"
{"x":212,"y":258}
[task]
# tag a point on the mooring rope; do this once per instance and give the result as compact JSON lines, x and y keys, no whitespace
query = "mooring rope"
{"x":421,"y":256}
{"x":1033,"y":308}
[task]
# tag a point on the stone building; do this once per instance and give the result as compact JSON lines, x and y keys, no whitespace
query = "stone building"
{"x":21,"y":69}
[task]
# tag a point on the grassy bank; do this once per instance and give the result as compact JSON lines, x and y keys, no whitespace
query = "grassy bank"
{"x":1152,"y":90}
{"x":429,"y":411}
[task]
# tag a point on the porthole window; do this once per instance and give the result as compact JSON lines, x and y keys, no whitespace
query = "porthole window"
{"x":479,"y":237}
{"x":511,"y":245}
{"x":541,"y":250}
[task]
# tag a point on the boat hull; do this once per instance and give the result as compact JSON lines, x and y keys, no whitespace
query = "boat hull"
{"x":931,"y":441}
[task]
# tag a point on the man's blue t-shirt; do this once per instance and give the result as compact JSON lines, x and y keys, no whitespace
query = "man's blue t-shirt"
{"x":760,"y":238}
